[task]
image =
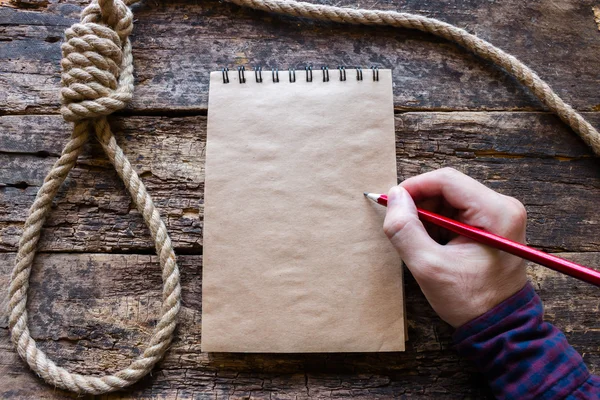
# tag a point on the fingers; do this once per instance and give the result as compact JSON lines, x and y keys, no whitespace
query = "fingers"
{"x":406,"y":232}
{"x":478,"y":205}
{"x":459,"y":190}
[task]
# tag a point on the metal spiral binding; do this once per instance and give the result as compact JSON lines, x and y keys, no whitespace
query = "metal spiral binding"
{"x":241,"y":76}
{"x":308,"y":77}
{"x":342,"y":70}
{"x":292,"y":74}
{"x":375,"y":73}
{"x":225,"y":75}
{"x":258,"y":74}
{"x":325,"y":74}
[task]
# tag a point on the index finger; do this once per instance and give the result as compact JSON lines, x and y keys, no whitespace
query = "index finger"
{"x":478,"y":205}
{"x":459,"y":190}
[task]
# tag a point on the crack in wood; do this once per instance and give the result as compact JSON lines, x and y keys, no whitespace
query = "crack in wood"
{"x":97,"y":276}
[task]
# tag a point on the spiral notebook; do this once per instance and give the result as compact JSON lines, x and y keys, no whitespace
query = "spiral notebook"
{"x":295,"y":257}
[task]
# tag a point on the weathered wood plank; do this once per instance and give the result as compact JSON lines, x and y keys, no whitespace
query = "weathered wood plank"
{"x":177,"y":43}
{"x":91,"y":312}
{"x":526,"y":155}
{"x":93,"y":208}
{"x":531,"y":156}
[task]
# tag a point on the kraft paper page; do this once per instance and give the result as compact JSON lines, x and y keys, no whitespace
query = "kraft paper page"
{"x":295,"y":257}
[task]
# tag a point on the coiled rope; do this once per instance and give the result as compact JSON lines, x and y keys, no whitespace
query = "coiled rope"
{"x":97,"y":80}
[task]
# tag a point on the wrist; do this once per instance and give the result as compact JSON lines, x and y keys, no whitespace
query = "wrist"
{"x":495,"y":313}
{"x":490,"y":299}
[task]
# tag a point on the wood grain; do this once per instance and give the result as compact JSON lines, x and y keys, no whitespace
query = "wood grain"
{"x":91,"y":312}
{"x":177,"y":43}
{"x":531,"y":156}
{"x":95,"y":288}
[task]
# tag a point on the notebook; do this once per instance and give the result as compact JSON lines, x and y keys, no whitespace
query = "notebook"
{"x":294,"y":256}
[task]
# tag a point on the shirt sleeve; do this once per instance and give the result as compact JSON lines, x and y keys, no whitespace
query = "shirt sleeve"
{"x":522,"y":356}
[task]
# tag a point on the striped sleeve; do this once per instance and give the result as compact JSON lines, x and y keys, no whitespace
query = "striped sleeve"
{"x":522,"y":356}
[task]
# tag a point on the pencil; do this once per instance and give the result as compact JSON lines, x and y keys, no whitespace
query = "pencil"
{"x":479,"y":235}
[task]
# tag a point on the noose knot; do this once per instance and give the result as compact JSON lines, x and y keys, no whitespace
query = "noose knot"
{"x":97,"y":65}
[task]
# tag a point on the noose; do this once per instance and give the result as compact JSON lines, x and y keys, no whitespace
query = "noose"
{"x":98,"y":80}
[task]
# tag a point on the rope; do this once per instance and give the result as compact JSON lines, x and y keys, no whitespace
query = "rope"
{"x":97,"y":80}
{"x":449,"y":32}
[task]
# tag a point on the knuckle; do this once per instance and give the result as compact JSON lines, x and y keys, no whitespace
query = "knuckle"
{"x":518,"y":212}
{"x":392,"y":227}
{"x":450,"y":172}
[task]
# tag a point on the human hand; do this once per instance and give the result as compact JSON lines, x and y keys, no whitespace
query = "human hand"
{"x":461,"y":279}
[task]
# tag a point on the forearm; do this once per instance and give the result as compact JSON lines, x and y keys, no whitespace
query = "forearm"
{"x":522,"y":356}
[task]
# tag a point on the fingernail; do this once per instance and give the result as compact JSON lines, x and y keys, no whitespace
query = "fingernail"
{"x":395,"y":195}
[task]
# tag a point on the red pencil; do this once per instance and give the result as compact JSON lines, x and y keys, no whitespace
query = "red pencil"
{"x":547,"y":260}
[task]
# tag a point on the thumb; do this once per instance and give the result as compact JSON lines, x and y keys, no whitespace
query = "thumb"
{"x":406,"y":232}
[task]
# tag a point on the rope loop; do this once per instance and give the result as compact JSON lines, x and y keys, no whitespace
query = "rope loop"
{"x":97,"y":65}
{"x":97,"y":80}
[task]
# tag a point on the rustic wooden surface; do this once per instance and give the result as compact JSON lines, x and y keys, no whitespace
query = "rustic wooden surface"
{"x":95,"y":288}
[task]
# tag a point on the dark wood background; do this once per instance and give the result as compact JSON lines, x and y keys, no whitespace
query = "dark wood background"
{"x":95,"y":289}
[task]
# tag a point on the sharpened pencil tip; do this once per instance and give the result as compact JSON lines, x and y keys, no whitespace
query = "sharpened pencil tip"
{"x":366,"y":194}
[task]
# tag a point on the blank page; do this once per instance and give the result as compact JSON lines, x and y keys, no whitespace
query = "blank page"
{"x":295,"y":257}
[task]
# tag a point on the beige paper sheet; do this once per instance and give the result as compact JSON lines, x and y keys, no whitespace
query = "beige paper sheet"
{"x":295,"y":258}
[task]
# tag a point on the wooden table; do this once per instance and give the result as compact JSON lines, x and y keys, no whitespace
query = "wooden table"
{"x":95,"y":289}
